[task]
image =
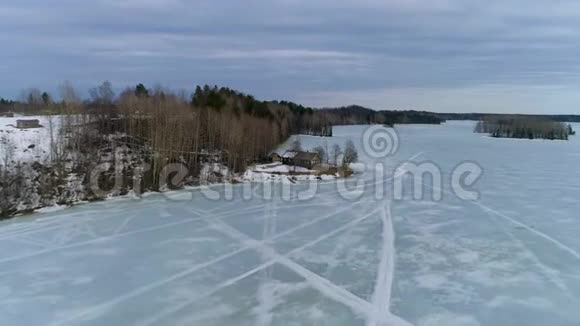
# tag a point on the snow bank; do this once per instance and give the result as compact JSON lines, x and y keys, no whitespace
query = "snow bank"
{"x":214,"y":173}
{"x":280,"y":168}
{"x":278,"y":178}
{"x":276,"y":172}
{"x":357,"y":167}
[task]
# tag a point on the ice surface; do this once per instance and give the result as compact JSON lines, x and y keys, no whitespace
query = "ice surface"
{"x":511,"y":258}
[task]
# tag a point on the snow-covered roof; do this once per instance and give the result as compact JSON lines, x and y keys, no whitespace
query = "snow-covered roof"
{"x":300,"y":155}
{"x":290,"y":154}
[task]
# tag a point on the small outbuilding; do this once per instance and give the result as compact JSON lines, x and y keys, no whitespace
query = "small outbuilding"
{"x":28,"y":123}
{"x":7,"y":114}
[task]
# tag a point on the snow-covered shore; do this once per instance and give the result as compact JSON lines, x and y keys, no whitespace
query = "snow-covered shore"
{"x":27,"y":153}
{"x":278,"y":172}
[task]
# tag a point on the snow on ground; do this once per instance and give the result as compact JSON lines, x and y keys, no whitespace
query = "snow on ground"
{"x":510,"y":258}
{"x":23,"y":144}
{"x":280,"y":173}
{"x":280,"y":168}
{"x":265,"y":177}
{"x":27,"y":145}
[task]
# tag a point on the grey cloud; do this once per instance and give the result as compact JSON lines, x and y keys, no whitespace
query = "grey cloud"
{"x":298,"y":49}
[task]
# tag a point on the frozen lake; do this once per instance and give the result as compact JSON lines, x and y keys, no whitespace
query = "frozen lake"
{"x":510,"y":258}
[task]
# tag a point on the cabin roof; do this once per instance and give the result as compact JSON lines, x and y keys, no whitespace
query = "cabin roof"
{"x":300,"y":155}
{"x":306,"y":156}
{"x":290,"y":154}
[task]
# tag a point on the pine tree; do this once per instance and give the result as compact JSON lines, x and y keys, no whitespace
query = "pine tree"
{"x":141,"y":91}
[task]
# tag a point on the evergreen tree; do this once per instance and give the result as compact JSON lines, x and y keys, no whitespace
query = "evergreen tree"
{"x":46,"y":99}
{"x":141,"y":91}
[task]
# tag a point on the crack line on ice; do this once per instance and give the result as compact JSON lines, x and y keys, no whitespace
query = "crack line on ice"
{"x":265,"y":295}
{"x":530,"y":229}
{"x":51,"y":223}
{"x":385,"y":273}
{"x":124,"y":234}
{"x":542,"y":235}
{"x":323,"y":285}
{"x":384,"y":282}
{"x":62,"y":222}
{"x":97,"y":240}
{"x":551,"y":274}
{"x":127,"y":296}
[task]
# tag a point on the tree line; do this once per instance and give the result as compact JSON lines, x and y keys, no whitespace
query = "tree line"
{"x":482,"y":116}
{"x":355,"y":114}
{"x":524,"y":127}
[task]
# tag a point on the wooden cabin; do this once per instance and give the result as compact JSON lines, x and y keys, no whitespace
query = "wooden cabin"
{"x":28,"y":123}
{"x":303,"y":159}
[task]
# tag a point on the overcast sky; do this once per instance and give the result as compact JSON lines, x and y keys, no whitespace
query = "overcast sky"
{"x":439,"y":55}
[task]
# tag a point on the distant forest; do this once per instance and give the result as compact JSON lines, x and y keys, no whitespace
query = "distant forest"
{"x":482,"y":116}
{"x":33,"y":101}
{"x":355,"y":114}
{"x":524,"y":127}
{"x":36,"y":102}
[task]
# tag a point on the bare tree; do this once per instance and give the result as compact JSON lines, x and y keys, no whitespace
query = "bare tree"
{"x":335,"y":153}
{"x":350,"y":153}
{"x":32,"y":96}
{"x":103,"y":94}
{"x":321,"y":153}
{"x":296,"y":145}
{"x":68,"y":94}
{"x":7,"y":150}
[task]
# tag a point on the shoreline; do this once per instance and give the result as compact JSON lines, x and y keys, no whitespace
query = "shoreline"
{"x":238,"y":180}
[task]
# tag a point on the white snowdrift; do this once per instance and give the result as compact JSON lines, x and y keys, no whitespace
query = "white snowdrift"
{"x":278,"y":172}
{"x":280,"y":168}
